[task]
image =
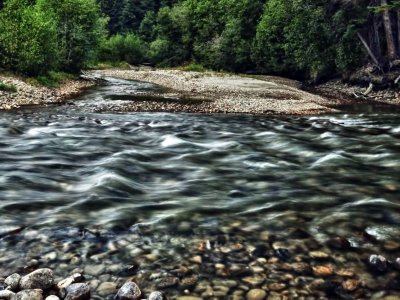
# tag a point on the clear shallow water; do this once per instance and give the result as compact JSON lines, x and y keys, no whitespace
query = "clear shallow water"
{"x":159,"y":182}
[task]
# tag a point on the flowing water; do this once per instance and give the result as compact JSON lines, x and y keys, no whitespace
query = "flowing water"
{"x":156,"y":191}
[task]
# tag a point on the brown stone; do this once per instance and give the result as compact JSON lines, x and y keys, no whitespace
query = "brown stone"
{"x":323,"y":271}
{"x":350,"y":285}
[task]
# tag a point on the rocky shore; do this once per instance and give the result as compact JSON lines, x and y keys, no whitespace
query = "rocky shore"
{"x":27,"y":94}
{"x":210,"y":92}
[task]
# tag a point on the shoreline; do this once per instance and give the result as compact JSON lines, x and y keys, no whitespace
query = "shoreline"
{"x":31,"y":95}
{"x":208,"y":92}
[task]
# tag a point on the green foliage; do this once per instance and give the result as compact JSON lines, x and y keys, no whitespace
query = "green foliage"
{"x":27,"y":38}
{"x":52,"y":79}
{"x":194,"y":67}
{"x":80,"y":27}
{"x":118,"y":48}
{"x":7,"y":87}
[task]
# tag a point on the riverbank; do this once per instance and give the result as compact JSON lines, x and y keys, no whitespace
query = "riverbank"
{"x":27,"y":94}
{"x":210,"y":92}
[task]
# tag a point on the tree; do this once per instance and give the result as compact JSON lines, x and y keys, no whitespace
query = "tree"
{"x":27,"y":38}
{"x":80,"y":27}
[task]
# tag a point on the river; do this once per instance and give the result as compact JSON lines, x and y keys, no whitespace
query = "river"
{"x":234,"y":202}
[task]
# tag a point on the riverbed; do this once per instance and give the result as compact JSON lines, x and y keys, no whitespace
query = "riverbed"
{"x":203,"y":205}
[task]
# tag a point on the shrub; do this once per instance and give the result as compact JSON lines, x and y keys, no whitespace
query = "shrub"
{"x":7,"y":87}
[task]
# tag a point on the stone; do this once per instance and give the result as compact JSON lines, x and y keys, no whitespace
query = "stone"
{"x":94,"y":270}
{"x":189,"y":281}
{"x":167,"y":282}
{"x":52,"y":297}
{"x":63,"y":284}
{"x":391,"y":246}
{"x":129,"y":291}
{"x":40,"y":279}
{"x":157,"y":296}
{"x":107,"y":288}
{"x":256,"y":294}
{"x":350,"y":285}
{"x":12,"y":281}
{"x":323,"y":271}
{"x":196,"y":259}
{"x":189,"y":298}
{"x":6,"y":295}
{"x":78,"y":291}
{"x":276,"y":286}
{"x":378,"y":263}
{"x":254,"y":280}
{"x":29,"y":295}
{"x":319,"y":254}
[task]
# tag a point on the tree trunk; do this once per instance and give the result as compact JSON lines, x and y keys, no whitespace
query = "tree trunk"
{"x":398,"y":32}
{"x":387,"y":23}
{"x":371,"y":54}
{"x":376,"y":46}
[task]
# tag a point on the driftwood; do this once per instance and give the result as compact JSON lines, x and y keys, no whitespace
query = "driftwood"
{"x":369,"y":89}
{"x":397,"y":80}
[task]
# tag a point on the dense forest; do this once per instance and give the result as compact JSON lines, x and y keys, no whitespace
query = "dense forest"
{"x":308,"y":39}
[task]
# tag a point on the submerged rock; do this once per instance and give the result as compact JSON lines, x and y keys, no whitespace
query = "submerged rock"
{"x":256,"y":294}
{"x":40,"y":279}
{"x":378,"y":263}
{"x":129,"y":291}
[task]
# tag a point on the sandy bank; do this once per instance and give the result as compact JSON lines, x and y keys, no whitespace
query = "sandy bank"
{"x":28,"y":94}
{"x":215,"y":93}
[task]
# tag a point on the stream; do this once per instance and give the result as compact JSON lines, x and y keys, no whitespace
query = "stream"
{"x":205,"y":205}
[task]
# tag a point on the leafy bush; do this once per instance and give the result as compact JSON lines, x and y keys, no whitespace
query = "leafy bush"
{"x":52,"y":79}
{"x":119,"y":48}
{"x":194,"y":67}
{"x":7,"y":87}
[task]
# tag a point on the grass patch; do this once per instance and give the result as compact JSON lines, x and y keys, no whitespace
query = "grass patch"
{"x":193,"y":67}
{"x":52,"y":79}
{"x":7,"y":87}
{"x":109,"y":65}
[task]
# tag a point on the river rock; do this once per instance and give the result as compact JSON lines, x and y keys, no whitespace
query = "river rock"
{"x":29,"y":295}
{"x":52,"y":297}
{"x":107,"y":288}
{"x":12,"y":281}
{"x":6,"y":295}
{"x":378,"y":263}
{"x":78,"y":291}
{"x":157,"y":296}
{"x":40,"y":279}
{"x":63,"y":284}
{"x":129,"y":291}
{"x":323,"y":271}
{"x":256,"y":294}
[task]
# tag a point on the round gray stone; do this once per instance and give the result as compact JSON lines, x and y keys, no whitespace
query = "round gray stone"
{"x":157,"y":296}
{"x":29,"y":295}
{"x":6,"y":295}
{"x":40,"y":279}
{"x":12,"y":281}
{"x":129,"y":291}
{"x":78,"y":291}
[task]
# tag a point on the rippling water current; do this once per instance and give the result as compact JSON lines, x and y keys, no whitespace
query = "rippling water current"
{"x":76,"y":182}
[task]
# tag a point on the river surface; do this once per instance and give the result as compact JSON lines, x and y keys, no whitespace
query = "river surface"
{"x":104,"y":192}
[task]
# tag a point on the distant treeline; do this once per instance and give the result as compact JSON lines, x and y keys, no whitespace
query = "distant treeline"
{"x":307,"y":39}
